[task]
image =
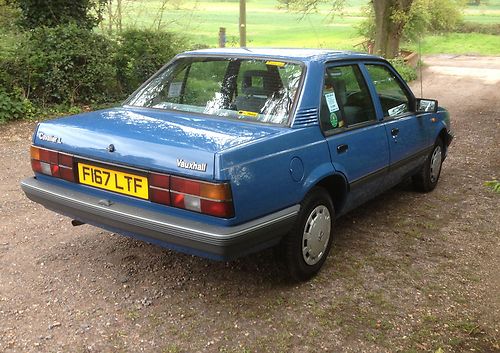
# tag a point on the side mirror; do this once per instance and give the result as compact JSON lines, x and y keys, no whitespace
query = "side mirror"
{"x":426,"y":105}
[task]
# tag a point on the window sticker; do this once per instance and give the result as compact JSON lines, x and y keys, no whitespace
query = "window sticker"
{"x":334,"y":120}
{"x":397,"y":110}
{"x":174,"y":90}
{"x":275,"y":63}
{"x":331,"y":101}
{"x":246,"y":113}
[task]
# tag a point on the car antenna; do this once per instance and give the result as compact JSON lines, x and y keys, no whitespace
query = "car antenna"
{"x":420,"y":63}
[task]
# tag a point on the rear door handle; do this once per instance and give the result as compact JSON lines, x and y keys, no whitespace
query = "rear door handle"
{"x":342,"y":148}
{"x":395,"y":132}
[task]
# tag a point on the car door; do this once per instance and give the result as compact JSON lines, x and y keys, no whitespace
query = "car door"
{"x":407,"y":134}
{"x":356,"y":138}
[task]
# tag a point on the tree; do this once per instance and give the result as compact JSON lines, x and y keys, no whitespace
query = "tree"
{"x":389,"y":21}
{"x":422,"y":17}
{"x":52,"y":13}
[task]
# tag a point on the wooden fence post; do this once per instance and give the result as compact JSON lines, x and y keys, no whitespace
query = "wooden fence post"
{"x":222,"y":37}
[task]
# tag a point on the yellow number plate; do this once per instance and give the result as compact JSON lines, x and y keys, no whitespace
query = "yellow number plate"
{"x":112,"y":180}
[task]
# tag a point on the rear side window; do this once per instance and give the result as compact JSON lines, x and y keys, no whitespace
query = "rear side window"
{"x":394,"y":98}
{"x":345,"y":100}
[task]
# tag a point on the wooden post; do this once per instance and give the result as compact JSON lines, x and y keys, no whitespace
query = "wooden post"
{"x":243,"y":23}
{"x":222,"y":37}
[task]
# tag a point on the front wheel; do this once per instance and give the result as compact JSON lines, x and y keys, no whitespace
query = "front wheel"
{"x":427,"y":178}
{"x":305,"y":248}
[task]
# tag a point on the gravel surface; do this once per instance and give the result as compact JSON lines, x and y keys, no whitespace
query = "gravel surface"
{"x":408,"y":272}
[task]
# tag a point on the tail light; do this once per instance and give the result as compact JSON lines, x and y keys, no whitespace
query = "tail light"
{"x":199,"y":196}
{"x":209,"y":198}
{"x":56,"y":164}
{"x":159,"y":185}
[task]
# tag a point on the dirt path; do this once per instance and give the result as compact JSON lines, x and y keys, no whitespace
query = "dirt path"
{"x":408,"y":273}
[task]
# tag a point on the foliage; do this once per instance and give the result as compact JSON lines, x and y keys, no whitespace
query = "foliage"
{"x":471,"y":27}
{"x":143,"y":52}
{"x":494,"y":185}
{"x":9,"y":14}
{"x":434,"y":16}
{"x":407,"y":72}
{"x":52,"y":13}
{"x":311,"y":6}
{"x":64,"y":64}
{"x":14,"y":106}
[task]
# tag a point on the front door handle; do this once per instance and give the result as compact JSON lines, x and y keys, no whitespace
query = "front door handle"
{"x":395,"y":132}
{"x":342,"y":148}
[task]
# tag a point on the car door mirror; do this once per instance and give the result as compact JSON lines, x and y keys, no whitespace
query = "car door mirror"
{"x":426,"y":105}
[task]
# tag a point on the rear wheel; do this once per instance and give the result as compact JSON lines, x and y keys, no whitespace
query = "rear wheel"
{"x":305,"y":248}
{"x":427,"y":178}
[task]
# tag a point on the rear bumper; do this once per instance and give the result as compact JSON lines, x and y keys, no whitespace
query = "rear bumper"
{"x":202,"y":239}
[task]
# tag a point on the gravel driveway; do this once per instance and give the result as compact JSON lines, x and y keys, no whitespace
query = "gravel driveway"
{"x":408,"y":272}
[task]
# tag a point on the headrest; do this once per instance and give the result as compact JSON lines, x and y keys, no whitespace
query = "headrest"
{"x":266,"y":85}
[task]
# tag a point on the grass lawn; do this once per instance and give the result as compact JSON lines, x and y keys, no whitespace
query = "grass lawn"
{"x":269,"y":26}
{"x":461,"y":43}
{"x":266,"y":24}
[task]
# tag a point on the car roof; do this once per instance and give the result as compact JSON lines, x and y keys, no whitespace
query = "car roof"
{"x":283,"y":53}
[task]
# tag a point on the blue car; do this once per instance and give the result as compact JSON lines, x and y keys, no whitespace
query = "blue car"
{"x":225,"y":152}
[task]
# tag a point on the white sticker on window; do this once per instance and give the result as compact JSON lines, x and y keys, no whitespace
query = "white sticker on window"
{"x":331,"y":101}
{"x":174,"y":90}
{"x":397,"y":110}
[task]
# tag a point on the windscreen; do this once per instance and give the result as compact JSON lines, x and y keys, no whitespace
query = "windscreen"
{"x":249,"y":89}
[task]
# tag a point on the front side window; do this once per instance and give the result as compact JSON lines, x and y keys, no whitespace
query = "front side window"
{"x":345,"y":100}
{"x":394,"y":98}
{"x":258,"y":90}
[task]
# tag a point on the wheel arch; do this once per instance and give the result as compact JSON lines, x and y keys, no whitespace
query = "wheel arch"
{"x":445,"y":137}
{"x":337,"y":188}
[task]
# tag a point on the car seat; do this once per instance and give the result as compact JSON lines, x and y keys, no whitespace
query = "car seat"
{"x":257,"y":87}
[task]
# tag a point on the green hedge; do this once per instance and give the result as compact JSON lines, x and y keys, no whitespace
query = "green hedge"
{"x":406,"y":71}
{"x":143,"y":52}
{"x":67,"y":65}
{"x":14,"y":106}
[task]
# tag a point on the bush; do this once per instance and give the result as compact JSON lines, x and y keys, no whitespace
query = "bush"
{"x":472,"y":27}
{"x":65,"y":64}
{"x":14,"y":106}
{"x":141,"y":53}
{"x":53,"y":13}
{"x":9,"y":16}
{"x":407,"y":72}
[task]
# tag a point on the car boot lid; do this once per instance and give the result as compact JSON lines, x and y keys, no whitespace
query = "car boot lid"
{"x":149,"y":139}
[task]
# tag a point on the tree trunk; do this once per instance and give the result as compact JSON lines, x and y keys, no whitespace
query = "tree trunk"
{"x":110,"y":16}
{"x":119,"y":15}
{"x":388,"y":26}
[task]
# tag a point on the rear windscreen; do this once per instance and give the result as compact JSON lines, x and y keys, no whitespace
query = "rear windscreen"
{"x":258,"y":90}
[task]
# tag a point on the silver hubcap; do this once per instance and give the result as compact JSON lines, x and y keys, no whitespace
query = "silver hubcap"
{"x":435,"y":163}
{"x":316,"y":235}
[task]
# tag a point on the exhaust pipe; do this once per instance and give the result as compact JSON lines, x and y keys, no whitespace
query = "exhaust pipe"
{"x":76,"y":223}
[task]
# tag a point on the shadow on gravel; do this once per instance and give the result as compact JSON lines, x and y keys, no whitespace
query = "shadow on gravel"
{"x":135,"y":262}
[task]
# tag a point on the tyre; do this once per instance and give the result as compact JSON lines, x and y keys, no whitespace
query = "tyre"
{"x":427,"y":178}
{"x":304,"y":250}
